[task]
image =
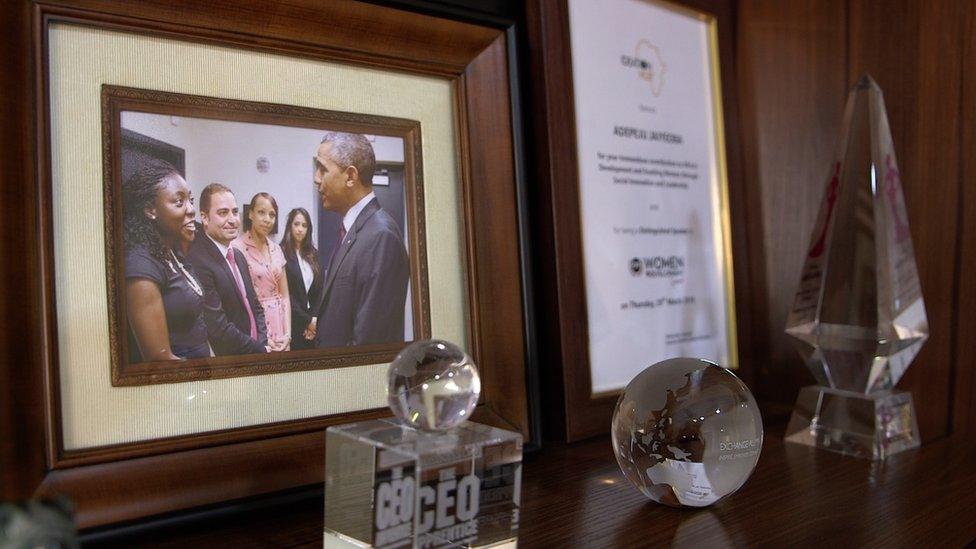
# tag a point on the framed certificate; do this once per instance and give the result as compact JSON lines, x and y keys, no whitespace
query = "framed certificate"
{"x":639,"y":190}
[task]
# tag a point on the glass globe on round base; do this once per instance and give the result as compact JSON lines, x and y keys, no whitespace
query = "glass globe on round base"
{"x":433,"y":385}
{"x":687,"y":432}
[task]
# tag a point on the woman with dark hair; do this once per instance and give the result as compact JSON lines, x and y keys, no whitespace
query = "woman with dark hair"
{"x":304,"y":277}
{"x":266,"y":263}
{"x":163,"y":299}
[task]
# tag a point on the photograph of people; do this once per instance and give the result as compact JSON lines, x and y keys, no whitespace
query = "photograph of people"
{"x":304,"y":277}
{"x":163,"y":299}
{"x":232,"y":312}
{"x":266,"y":263}
{"x":366,"y":279}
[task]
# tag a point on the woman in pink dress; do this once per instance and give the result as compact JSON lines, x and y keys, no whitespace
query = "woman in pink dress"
{"x":266,"y":262}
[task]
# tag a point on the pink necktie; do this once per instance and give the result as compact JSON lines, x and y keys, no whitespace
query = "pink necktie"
{"x":240,"y":288}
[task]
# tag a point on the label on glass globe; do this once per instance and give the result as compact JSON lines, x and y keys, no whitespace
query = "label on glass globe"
{"x":686,"y":432}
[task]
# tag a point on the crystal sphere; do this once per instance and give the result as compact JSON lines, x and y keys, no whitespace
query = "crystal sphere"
{"x":433,"y":385}
{"x":686,"y":432}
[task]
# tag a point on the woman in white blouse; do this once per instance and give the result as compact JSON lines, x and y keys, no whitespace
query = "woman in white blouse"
{"x":304,"y":277}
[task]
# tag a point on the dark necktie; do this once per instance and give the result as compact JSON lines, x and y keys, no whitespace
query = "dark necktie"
{"x":335,"y":249}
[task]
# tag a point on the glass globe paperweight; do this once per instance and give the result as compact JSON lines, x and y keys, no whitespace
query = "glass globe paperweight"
{"x":433,"y":385}
{"x":686,"y":432}
{"x":427,"y":478}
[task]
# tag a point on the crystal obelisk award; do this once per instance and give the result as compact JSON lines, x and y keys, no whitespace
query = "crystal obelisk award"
{"x":858,"y":317}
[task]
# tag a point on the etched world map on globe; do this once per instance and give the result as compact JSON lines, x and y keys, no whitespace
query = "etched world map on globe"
{"x":686,"y":432}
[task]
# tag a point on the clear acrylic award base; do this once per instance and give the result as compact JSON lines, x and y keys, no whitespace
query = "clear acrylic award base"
{"x":389,"y":485}
{"x":873,"y":426}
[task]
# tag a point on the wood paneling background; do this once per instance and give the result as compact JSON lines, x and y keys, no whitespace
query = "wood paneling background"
{"x":964,"y":401}
{"x":21,"y":390}
{"x":796,"y":62}
{"x":791,"y":65}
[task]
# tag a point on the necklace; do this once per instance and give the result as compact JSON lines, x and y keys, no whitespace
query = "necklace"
{"x":194,"y":285}
{"x":265,"y":253}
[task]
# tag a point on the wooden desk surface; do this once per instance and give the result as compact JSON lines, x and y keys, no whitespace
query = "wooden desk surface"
{"x":575,"y":496}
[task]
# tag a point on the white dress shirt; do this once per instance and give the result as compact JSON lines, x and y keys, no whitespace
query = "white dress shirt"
{"x":233,"y":268}
{"x":307,"y":273}
{"x":354,"y":212}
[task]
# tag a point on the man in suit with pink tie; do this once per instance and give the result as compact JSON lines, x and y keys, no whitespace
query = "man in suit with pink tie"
{"x":232,"y":312}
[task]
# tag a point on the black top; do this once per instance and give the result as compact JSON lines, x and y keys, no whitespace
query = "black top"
{"x":184,"y":308}
{"x":302,"y":300}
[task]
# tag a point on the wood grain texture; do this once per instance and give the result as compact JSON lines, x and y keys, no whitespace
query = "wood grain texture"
{"x":22,"y":412}
{"x":913,"y":50}
{"x":564,"y":364}
{"x":493,"y":269}
{"x":964,"y":382}
{"x":337,"y":30}
{"x":797,"y":497}
{"x":545,"y":132}
{"x":130,"y":489}
{"x":793,"y":86}
{"x":573,"y":495}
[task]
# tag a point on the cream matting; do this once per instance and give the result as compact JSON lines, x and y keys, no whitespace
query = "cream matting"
{"x":93,"y":413}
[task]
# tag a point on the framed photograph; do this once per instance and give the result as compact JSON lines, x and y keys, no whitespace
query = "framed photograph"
{"x":638,"y":192}
{"x":373,"y":303}
{"x":149,"y":373}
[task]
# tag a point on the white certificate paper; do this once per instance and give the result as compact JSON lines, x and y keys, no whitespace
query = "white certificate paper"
{"x":653,"y":188}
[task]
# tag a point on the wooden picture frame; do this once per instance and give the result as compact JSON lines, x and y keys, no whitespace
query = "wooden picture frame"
{"x":573,"y":410}
{"x":116,"y":100}
{"x":112,"y":484}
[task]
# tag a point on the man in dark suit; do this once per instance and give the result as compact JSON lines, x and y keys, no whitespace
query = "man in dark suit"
{"x":365,"y":289}
{"x":232,"y":312}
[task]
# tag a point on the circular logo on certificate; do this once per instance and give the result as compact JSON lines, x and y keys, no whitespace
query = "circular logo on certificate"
{"x":636,"y":266}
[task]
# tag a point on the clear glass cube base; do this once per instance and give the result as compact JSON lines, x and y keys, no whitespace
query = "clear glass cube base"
{"x":872,"y":426}
{"x":390,"y":485}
